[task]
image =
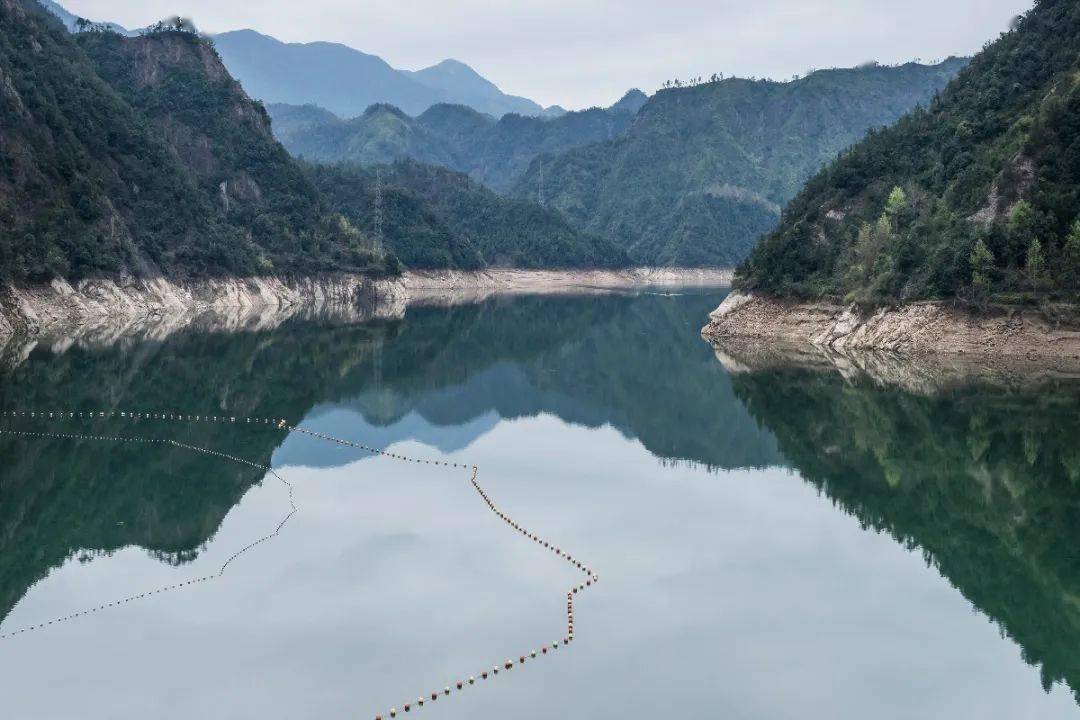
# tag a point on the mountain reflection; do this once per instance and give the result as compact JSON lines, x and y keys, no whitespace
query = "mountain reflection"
{"x":442,"y":376}
{"x":983,"y":480}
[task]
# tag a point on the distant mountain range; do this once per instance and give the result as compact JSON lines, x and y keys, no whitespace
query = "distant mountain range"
{"x":493,"y":152}
{"x":347,"y":82}
{"x":343,"y":80}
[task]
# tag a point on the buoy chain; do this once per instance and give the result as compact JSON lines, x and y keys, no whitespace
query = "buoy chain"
{"x":106,"y":606}
{"x":275,"y":423}
{"x":281,"y":424}
{"x":170,"y":588}
{"x":532,"y":654}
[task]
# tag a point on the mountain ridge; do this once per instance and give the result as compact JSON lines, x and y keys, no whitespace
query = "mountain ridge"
{"x":347,"y":81}
{"x":700,"y":173}
{"x":493,"y":152}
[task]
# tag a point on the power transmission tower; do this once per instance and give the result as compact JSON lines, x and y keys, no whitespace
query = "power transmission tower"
{"x":540,"y":186}
{"x":378,"y":213}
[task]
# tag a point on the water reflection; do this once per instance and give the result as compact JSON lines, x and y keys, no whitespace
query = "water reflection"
{"x":442,"y":376}
{"x":730,"y":587}
{"x":983,"y":480}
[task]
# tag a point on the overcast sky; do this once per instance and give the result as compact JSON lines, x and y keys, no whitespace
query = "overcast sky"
{"x":578,"y":53}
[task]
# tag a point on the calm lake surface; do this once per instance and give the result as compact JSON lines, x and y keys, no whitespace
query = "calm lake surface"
{"x":777,"y":544}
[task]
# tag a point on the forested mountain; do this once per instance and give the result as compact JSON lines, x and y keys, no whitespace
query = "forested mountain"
{"x":703,"y":170}
{"x":71,"y":21}
{"x":976,"y":196}
{"x":493,"y":152}
{"x":142,"y":155}
{"x":347,"y":82}
{"x":435,"y":217}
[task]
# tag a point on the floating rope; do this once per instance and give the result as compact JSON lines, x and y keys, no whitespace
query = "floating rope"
{"x":281,"y":424}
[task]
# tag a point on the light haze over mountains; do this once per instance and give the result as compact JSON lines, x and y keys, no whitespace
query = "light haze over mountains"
{"x":344,"y":80}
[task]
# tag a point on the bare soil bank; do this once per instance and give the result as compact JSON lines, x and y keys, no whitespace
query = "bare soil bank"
{"x":910,"y":329}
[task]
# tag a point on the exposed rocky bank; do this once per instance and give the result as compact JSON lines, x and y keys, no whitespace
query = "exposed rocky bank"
{"x":114,"y":307}
{"x":912,"y":328}
{"x":104,"y":309}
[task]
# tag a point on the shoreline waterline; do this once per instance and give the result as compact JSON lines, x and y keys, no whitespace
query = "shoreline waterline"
{"x":103,"y":310}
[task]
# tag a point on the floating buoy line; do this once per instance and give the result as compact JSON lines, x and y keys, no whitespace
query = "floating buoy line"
{"x":280,"y":424}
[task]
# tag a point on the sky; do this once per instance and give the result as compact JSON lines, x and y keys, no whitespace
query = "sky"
{"x":580,"y":53}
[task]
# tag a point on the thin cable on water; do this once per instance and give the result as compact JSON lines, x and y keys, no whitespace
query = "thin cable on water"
{"x":169,"y":588}
{"x":281,"y":424}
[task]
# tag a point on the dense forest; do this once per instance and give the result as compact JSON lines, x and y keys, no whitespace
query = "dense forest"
{"x":703,"y":171}
{"x":434,"y":217}
{"x":975,"y":197}
{"x":493,"y":152}
{"x":142,"y":156}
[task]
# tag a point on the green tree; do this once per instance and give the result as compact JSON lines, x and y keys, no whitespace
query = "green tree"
{"x":1036,"y":263}
{"x":982,"y":268}
{"x":895,"y":206}
{"x":1070,"y":258}
{"x":1022,"y":232}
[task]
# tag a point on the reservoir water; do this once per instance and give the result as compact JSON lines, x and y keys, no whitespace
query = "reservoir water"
{"x":778,"y":542}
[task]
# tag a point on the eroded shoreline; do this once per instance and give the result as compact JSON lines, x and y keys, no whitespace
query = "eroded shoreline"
{"x":913,"y":329}
{"x":101,"y":311}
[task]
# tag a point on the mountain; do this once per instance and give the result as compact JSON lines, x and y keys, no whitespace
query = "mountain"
{"x":703,"y":170}
{"x":342,"y":79}
{"x":456,"y":222}
{"x":381,"y":135}
{"x":461,"y":84}
{"x":493,"y":152}
{"x":71,"y":21}
{"x":631,"y":102}
{"x":333,"y":76}
{"x":347,"y":82}
{"x":976,"y":196}
{"x":142,"y":156}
